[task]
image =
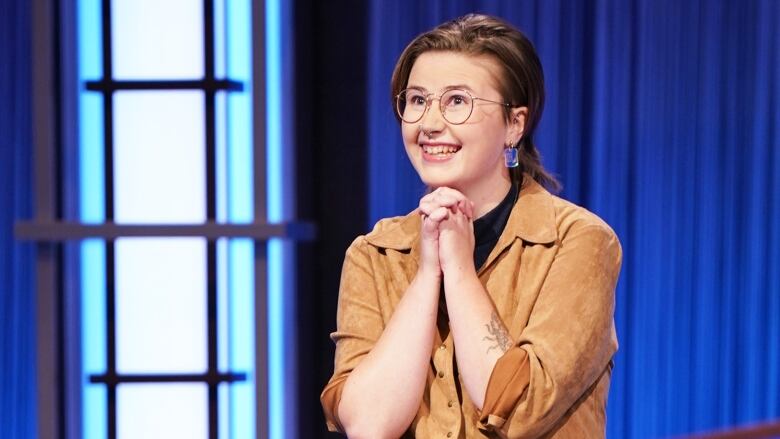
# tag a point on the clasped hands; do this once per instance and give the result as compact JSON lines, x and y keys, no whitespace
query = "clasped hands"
{"x":447,"y":233}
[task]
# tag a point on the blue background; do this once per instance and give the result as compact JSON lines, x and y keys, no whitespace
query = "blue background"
{"x":661,"y":117}
{"x":17,"y":294}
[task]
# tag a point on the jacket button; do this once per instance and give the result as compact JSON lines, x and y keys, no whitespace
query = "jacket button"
{"x":449,"y":434}
{"x":449,"y":404}
{"x":441,"y":374}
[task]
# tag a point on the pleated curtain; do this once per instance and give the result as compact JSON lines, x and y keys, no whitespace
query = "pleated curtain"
{"x":662,"y":117}
{"x":17,"y":304}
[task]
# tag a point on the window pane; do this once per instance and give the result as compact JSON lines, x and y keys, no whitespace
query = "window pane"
{"x":157,"y":39}
{"x":162,"y":411}
{"x":95,"y":409}
{"x":159,"y":157}
{"x":161,"y":305}
{"x":93,"y":305}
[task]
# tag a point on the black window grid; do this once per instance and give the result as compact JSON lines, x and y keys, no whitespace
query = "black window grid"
{"x":210,"y":85}
{"x":54,"y":107}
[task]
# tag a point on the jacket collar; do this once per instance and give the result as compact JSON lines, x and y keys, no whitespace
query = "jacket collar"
{"x":532,"y":219}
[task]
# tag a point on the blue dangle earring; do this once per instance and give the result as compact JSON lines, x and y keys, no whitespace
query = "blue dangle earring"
{"x":511,"y":159}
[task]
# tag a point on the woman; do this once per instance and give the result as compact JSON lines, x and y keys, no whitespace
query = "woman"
{"x":488,"y":311}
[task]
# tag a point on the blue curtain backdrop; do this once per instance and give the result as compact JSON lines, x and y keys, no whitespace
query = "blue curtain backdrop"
{"x":662,"y":118}
{"x":17,"y":323}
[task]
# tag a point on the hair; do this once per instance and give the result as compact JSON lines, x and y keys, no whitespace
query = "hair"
{"x":521,"y":80}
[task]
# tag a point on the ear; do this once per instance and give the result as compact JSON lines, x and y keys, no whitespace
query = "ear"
{"x":516,"y":125}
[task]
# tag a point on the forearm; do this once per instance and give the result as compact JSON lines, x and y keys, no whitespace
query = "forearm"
{"x":383,"y":393}
{"x":479,"y":334}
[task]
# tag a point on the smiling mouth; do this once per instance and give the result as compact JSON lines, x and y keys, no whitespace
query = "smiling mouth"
{"x":440,"y":151}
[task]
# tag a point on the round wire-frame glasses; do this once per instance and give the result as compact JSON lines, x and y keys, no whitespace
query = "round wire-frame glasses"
{"x":456,"y":105}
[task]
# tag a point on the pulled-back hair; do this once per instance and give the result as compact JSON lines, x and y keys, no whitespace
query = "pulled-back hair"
{"x":521,"y":80}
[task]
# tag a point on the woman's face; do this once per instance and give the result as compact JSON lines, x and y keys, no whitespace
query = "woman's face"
{"x":466,"y":157}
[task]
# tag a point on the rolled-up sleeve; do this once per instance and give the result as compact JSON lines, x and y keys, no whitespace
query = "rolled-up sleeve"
{"x":508,"y":381}
{"x":358,"y":325}
{"x":568,"y":342}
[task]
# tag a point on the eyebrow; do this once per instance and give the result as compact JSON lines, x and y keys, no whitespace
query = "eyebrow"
{"x":460,"y":86}
{"x":448,"y":87}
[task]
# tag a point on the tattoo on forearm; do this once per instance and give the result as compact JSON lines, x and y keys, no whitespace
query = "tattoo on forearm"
{"x":497,"y":334}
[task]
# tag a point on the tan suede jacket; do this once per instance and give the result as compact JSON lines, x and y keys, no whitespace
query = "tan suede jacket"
{"x":551,"y":277}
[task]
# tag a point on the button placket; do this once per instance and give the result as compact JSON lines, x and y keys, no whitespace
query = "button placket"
{"x":443,"y":361}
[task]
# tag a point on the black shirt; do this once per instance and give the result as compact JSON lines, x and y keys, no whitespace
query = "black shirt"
{"x":489,"y":226}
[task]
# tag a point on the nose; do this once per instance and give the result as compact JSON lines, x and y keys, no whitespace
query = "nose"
{"x":432,"y":120}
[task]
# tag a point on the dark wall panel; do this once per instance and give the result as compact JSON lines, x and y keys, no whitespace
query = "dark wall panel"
{"x":331,"y":43}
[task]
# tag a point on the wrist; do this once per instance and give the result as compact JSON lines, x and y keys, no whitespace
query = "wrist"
{"x":458,"y":273}
{"x":429,"y":275}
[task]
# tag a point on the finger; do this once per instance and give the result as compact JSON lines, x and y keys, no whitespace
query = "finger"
{"x":445,"y":200}
{"x":429,"y":203}
{"x":465,"y":206}
{"x":450,"y":192}
{"x":439,"y":214}
{"x":427,"y":206}
{"x":458,"y":216}
{"x":429,"y":226}
{"x":432,"y":201}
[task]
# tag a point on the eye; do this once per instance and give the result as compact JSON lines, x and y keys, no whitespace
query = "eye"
{"x":415,"y":98}
{"x":456,"y":98}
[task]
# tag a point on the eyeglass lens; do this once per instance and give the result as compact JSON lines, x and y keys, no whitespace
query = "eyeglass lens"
{"x":455,"y":105}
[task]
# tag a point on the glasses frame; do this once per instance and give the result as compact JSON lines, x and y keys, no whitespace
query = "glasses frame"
{"x":429,"y":97}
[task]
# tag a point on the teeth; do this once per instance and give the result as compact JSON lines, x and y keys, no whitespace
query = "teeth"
{"x":440,"y":149}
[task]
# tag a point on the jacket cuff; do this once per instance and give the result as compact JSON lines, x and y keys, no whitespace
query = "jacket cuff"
{"x":508,"y":381}
{"x":330,"y":399}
